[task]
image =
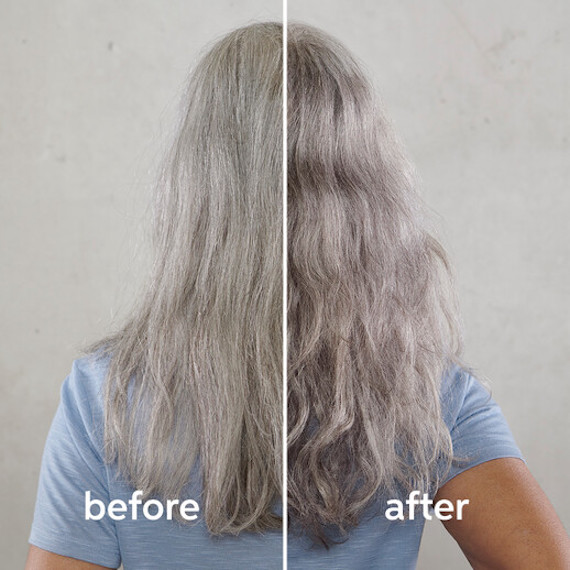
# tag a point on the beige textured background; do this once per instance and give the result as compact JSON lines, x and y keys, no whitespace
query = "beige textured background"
{"x":88,"y":89}
{"x":479,"y":92}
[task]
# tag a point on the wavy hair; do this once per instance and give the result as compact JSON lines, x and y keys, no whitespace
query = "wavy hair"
{"x":195,"y":376}
{"x":372,"y":318}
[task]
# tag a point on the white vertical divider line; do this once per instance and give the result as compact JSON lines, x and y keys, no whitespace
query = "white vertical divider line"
{"x":284,"y":279}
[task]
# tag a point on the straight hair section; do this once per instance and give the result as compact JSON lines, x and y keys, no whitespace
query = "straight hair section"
{"x":195,"y":375}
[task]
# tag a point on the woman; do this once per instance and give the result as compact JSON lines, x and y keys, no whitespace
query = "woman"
{"x":378,"y":409}
{"x":196,"y":371}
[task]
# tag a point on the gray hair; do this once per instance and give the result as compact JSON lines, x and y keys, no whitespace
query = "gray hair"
{"x":372,"y":319}
{"x":196,"y":373}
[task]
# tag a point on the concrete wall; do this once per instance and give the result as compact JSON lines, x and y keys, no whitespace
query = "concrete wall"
{"x":478,"y":92}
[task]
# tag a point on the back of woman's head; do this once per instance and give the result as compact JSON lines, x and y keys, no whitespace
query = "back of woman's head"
{"x":371,"y":318}
{"x":197,"y":370}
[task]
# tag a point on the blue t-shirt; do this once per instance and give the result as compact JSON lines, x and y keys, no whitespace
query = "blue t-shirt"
{"x":73,"y":464}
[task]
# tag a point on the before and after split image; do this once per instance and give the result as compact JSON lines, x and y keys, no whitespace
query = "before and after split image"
{"x":285,"y":286}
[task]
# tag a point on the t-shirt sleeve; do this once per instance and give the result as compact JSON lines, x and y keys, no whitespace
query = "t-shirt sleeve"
{"x":479,"y":430}
{"x":73,"y":464}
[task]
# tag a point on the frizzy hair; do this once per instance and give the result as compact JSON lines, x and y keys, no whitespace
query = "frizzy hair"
{"x":195,"y":376}
{"x":372,"y":319}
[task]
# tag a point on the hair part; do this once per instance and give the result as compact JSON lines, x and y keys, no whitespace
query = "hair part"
{"x":372,"y":318}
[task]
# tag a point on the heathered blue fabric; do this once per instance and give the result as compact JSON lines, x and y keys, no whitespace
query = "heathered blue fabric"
{"x":73,"y":464}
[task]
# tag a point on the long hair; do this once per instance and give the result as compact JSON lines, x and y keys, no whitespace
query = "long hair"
{"x":372,"y":320}
{"x":195,"y":376}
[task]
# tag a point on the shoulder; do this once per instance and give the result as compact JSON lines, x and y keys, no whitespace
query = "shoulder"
{"x":460,"y":389}
{"x":72,"y":464}
{"x":82,"y":397}
{"x":86,"y":381}
{"x":478,"y":428}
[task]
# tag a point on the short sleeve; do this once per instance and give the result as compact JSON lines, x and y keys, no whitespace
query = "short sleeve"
{"x":479,"y":430}
{"x":73,"y":464}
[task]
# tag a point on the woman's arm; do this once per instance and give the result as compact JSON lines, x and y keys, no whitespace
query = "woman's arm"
{"x":509,"y":522}
{"x":73,"y":464}
{"x":39,"y":559}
